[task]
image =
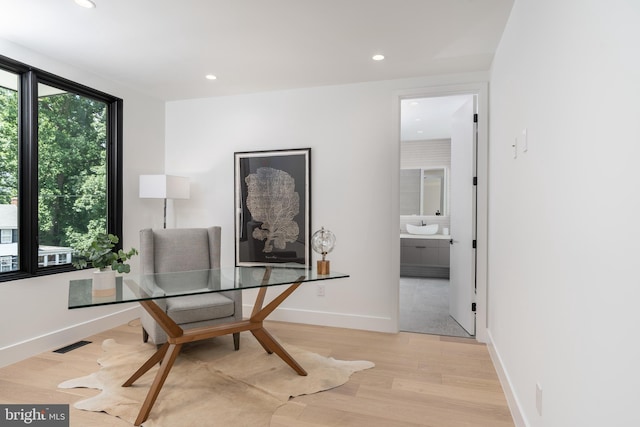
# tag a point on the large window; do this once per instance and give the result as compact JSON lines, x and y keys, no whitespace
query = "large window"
{"x":60,"y":169}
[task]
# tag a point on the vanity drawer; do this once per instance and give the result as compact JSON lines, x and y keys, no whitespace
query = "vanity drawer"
{"x":419,"y":255}
{"x":424,"y":257}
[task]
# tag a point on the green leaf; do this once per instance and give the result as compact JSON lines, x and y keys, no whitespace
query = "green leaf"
{"x":100,"y":254}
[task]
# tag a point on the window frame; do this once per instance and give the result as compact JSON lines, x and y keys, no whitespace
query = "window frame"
{"x":29,"y":77}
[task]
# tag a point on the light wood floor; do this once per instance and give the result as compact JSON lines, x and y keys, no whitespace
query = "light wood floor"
{"x":419,"y":380}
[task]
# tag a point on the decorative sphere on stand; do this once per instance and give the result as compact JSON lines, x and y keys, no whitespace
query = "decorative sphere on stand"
{"x":323,"y":242}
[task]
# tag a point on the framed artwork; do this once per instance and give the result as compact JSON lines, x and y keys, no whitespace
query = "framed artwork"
{"x":273,"y":207}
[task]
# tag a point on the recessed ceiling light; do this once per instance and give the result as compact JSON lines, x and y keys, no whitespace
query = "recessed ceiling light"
{"x":420,"y":131}
{"x":210,"y":77}
{"x":86,"y":3}
{"x":418,"y":119}
{"x":377,"y":57}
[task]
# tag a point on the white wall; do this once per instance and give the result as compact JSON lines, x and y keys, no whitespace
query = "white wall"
{"x":33,"y":312}
{"x":353,"y":135}
{"x":563,"y":277}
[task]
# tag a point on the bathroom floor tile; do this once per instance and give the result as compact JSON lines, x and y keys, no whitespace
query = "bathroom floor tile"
{"x":424,"y":307}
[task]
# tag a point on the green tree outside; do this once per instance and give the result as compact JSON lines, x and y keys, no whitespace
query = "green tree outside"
{"x":8,"y":145}
{"x":72,"y":205}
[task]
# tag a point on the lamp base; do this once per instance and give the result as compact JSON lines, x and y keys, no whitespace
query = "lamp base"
{"x":323,"y":267}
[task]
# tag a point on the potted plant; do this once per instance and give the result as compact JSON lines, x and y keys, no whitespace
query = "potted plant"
{"x":100,"y":254}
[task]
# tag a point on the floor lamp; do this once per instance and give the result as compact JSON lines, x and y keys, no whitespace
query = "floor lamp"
{"x":164,"y":187}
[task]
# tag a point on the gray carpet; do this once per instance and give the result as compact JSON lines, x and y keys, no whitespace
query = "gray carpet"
{"x":424,"y":307}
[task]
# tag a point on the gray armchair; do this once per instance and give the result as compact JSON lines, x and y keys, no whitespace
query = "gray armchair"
{"x":187,"y":249}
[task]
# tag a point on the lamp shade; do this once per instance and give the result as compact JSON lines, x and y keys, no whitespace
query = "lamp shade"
{"x":164,"y":187}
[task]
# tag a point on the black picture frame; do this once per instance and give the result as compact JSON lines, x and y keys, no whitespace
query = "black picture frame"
{"x":273,"y":207}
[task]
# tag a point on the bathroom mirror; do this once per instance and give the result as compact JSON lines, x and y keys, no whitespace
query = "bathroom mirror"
{"x":424,"y":191}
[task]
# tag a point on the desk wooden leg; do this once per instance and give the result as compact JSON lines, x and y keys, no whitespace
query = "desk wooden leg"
{"x":257,"y":308}
{"x":268,"y":341}
{"x":167,"y":353}
{"x":169,"y":358}
{"x":265,"y":338}
{"x":267,"y":349}
{"x":157,"y":356}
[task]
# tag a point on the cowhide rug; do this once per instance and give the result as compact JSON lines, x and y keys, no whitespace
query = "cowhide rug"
{"x":210,"y":384}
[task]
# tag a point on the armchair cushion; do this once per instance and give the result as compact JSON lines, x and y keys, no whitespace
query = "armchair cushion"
{"x":196,"y":308}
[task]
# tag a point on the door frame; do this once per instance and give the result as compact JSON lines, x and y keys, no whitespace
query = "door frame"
{"x":481,"y":89}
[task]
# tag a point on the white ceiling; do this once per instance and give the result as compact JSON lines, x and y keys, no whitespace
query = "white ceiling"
{"x":165,"y":47}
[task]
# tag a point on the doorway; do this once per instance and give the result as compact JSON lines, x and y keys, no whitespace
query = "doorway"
{"x":438,"y":138}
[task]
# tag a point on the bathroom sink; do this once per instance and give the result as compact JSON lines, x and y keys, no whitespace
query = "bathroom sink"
{"x":422,"y":229}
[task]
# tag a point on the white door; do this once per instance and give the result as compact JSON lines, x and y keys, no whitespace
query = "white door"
{"x":462,"y":227}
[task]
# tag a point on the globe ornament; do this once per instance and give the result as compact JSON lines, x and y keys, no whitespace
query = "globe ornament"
{"x":323,"y":242}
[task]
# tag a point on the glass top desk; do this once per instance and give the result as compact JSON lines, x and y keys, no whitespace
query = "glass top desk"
{"x":145,"y":288}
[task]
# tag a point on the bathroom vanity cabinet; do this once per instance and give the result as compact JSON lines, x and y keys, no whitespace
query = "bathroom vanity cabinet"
{"x":424,"y":257}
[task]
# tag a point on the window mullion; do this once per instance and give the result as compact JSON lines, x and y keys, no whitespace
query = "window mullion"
{"x":28,"y":172}
{"x":114,"y":168}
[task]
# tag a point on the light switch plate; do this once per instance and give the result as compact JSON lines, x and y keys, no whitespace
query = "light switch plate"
{"x":525,"y":141}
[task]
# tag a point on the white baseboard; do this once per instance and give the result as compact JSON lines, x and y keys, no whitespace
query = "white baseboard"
{"x":512,"y":400}
{"x":323,"y":318}
{"x":56,"y":339}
